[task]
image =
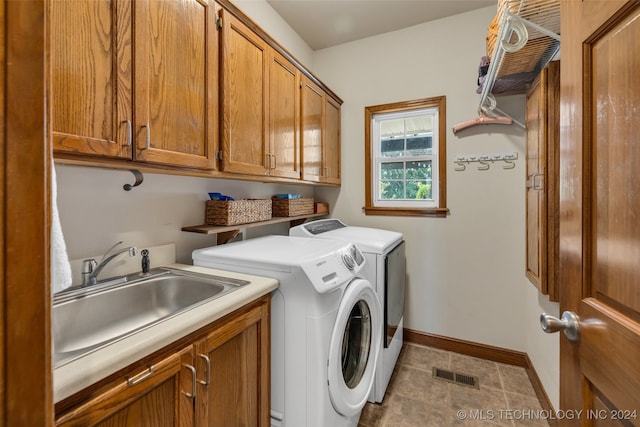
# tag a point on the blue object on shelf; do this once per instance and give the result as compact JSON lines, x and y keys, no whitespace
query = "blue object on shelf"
{"x":288,"y":196}
{"x":219,"y":196}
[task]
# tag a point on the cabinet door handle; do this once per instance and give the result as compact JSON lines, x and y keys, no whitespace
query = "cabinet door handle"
{"x":267,"y":161}
{"x":148,"y":140}
{"x":532,"y":181}
{"x":193,"y":382}
{"x":541,"y":186}
{"x":275,"y":162}
{"x":208,"y":362}
{"x":129,"y":132}
{"x":138,"y":378}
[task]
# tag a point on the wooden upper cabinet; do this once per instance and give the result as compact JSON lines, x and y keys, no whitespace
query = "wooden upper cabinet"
{"x":320,"y":124}
{"x":173,"y":92}
{"x":91,"y":76}
{"x":312,"y":107}
{"x":245,"y":142}
{"x":154,"y":395}
{"x":284,"y":117}
{"x":175,"y":82}
{"x":543,"y":163}
{"x":332,"y":141}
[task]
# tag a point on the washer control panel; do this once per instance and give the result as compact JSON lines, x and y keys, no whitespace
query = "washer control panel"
{"x":335,"y":269}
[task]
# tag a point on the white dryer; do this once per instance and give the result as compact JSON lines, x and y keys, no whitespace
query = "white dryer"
{"x":385,"y":269}
{"x":326,"y":325}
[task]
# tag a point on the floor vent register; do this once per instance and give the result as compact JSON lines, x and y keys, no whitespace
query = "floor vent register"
{"x":456,"y":378}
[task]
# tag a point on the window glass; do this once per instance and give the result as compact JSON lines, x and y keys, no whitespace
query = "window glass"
{"x":405,"y":147}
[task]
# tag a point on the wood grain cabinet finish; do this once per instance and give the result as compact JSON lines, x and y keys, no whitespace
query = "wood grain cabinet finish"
{"x":218,"y":376}
{"x":331,"y":156}
{"x":151,"y":396}
{"x":176,"y":82}
{"x":543,"y":163}
{"x":235,"y":387}
{"x":260,"y":106}
{"x":320,"y":129}
{"x":135,"y":94}
{"x":91,"y":77}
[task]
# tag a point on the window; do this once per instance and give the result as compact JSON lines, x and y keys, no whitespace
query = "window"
{"x":405,"y":165}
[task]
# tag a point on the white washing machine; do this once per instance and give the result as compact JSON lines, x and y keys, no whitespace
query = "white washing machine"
{"x":385,"y":269}
{"x":326,"y":325}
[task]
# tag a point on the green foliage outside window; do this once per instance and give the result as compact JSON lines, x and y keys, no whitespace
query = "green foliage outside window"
{"x":406,"y":180}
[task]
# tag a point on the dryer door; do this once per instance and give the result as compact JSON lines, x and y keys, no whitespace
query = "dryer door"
{"x":355,"y":345}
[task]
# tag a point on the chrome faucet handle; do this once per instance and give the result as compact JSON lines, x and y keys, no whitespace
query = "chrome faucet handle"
{"x":88,"y":265}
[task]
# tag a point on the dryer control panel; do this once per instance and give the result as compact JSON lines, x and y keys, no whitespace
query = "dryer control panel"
{"x":334,"y":269}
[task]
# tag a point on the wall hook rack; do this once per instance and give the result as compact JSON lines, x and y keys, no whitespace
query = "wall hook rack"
{"x":486,"y":160}
{"x":139,"y":178}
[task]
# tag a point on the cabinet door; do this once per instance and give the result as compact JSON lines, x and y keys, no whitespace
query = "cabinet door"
{"x":542,"y":200}
{"x":312,"y":123}
{"x":535,"y":193}
{"x":91,"y":77}
{"x":244,"y":99}
{"x":284,"y":114}
{"x":235,"y":388}
{"x":175,"y":51}
{"x":331,"y":156}
{"x":153,"y":396}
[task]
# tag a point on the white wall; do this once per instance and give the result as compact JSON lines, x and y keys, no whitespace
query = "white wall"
{"x":466,"y":272}
{"x":96,"y":212}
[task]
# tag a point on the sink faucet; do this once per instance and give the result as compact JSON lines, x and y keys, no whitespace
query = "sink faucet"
{"x":91,"y":269}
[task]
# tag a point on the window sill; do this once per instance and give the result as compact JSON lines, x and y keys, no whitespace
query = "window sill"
{"x":389,"y":211}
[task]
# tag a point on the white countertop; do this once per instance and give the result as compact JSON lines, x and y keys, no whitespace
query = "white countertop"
{"x":86,"y":370}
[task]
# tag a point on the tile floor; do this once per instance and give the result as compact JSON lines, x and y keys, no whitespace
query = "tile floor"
{"x":415,"y":399}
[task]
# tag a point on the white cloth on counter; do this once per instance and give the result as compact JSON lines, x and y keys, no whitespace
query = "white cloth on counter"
{"x":60,"y":268}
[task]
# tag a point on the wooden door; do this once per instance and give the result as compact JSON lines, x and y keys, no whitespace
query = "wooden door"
{"x":234,"y":359}
{"x":331,"y":156}
{"x":600,"y":205}
{"x":245,"y":142}
{"x":90,"y":63}
{"x":151,"y":396}
{"x":284,"y":117}
{"x":25,"y":347}
{"x":312,"y":107}
{"x":175,"y":54}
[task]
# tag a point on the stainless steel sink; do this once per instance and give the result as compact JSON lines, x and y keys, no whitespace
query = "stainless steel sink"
{"x":86,"y":319}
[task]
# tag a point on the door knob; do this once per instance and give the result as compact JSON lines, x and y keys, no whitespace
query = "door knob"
{"x":569,"y":324}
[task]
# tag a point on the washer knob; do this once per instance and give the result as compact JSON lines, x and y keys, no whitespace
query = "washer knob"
{"x":348,"y":261}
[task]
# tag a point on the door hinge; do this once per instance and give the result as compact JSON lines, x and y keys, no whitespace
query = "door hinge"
{"x":219,"y":23}
{"x":219,"y":155}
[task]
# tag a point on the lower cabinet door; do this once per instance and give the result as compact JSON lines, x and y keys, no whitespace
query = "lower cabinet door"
{"x":155,"y":395}
{"x":234,"y":359}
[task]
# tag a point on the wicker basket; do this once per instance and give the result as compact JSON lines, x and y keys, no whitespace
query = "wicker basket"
{"x":292,"y":207}
{"x":232,"y":212}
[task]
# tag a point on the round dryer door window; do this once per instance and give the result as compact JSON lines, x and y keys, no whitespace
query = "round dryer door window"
{"x":355,"y":345}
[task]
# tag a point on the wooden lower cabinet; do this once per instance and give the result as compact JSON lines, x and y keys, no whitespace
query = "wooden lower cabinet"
{"x":150,"y":396}
{"x":219,"y":378}
{"x":236,"y":390}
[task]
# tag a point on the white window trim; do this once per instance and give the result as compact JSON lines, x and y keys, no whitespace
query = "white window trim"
{"x":378,"y":160}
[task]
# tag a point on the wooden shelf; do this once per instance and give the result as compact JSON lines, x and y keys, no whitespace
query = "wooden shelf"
{"x":228,"y":232}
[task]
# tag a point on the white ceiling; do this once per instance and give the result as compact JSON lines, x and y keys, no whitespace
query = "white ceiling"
{"x":326,"y":23}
